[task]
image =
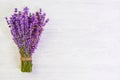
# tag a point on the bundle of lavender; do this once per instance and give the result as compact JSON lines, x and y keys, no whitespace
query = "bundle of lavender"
{"x":26,"y":29}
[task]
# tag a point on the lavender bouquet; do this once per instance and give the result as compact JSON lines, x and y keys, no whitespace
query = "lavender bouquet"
{"x":26,"y":29}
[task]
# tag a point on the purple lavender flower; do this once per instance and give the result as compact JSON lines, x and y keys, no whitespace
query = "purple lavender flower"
{"x":26,"y":29}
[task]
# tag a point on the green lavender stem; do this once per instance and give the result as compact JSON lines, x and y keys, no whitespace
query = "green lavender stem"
{"x":26,"y":65}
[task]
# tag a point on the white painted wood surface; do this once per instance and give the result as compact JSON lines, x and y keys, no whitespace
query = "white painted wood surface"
{"x":81,"y":41}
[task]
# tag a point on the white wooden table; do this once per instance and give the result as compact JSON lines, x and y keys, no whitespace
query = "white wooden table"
{"x":81,"y":41}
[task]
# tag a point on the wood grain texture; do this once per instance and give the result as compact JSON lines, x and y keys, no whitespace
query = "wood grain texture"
{"x":81,"y":41}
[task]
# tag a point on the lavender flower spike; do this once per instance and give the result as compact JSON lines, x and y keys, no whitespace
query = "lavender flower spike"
{"x":26,"y":29}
